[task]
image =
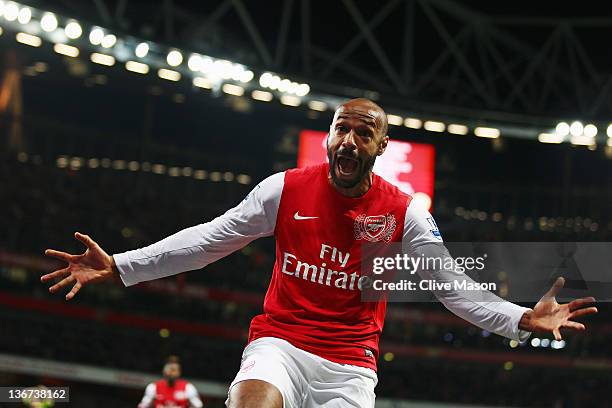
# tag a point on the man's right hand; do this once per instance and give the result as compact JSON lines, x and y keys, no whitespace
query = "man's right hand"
{"x":94,"y":265}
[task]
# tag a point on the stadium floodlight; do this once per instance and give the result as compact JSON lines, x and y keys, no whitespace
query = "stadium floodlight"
{"x":290,"y":100}
{"x":303,"y":90}
{"x":413,"y":123}
{"x":576,"y":128}
{"x":108,"y":40}
{"x":67,"y":50}
{"x":590,"y":130}
{"x":488,"y":132}
{"x":247,"y":76}
{"x":195,"y":62}
{"x":582,"y":140}
{"x":232,"y":89}
{"x":243,"y":179}
{"x":48,"y":22}
{"x":395,"y":120}
{"x":202,"y":82}
{"x":207,"y":65}
{"x":220,"y":69}
{"x":11,"y":11}
{"x":169,"y":74}
{"x":317,"y":106}
{"x":236,"y":71}
{"x":266,"y":79}
{"x":562,"y":129}
{"x":102,"y":59}
{"x":137,"y":67}
{"x":96,"y":36}
{"x":434,"y":126}
{"x":293,"y":87}
{"x":28,"y":39}
{"x":174,"y":58}
{"x":200,"y":174}
{"x":456,"y":129}
{"x":284,"y":85}
{"x":73,"y":30}
{"x":274,"y":82}
{"x":25,"y":15}
{"x":550,"y":138}
{"x":263,"y":96}
{"x":141,"y":50}
{"x":557,"y":344}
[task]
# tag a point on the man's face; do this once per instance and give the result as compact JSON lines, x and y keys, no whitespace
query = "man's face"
{"x":355,"y":139}
{"x":172,"y":371}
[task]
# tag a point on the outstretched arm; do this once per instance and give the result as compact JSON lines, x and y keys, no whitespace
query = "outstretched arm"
{"x":483,"y":308}
{"x":192,"y":395}
{"x":148,"y":397}
{"x":189,"y":249}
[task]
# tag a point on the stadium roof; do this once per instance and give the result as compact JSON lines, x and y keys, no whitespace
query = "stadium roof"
{"x":511,"y":66}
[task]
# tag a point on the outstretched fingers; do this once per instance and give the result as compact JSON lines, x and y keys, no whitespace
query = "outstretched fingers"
{"x":578,"y":303}
{"x":556,"y":287}
{"x":60,"y":273}
{"x":77,"y":286}
{"x":85,"y":239}
{"x":582,"y":312}
{"x":573,"y":325}
{"x":63,"y":283}
{"x":63,"y":256}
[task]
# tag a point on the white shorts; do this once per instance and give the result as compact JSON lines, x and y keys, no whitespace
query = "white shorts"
{"x":304,"y":379}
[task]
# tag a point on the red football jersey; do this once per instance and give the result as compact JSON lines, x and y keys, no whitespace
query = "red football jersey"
{"x":314,"y":298}
{"x":171,"y":397}
{"x":314,"y":301}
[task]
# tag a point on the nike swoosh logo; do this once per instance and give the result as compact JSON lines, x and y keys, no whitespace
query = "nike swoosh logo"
{"x":298,"y":217}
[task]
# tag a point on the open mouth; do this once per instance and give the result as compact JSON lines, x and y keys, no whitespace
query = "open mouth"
{"x":347,"y":166}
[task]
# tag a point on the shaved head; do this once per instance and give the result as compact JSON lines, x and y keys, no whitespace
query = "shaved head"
{"x":368,"y":110}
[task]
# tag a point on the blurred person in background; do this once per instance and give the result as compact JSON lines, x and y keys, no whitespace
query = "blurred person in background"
{"x":171,"y":391}
{"x":316,"y":344}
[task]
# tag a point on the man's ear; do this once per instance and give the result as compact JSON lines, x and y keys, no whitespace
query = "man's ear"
{"x":382,"y":146}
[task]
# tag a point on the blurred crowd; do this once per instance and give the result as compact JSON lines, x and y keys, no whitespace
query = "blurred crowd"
{"x":44,"y":204}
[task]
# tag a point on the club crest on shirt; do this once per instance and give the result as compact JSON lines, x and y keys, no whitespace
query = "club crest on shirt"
{"x":374,"y":228}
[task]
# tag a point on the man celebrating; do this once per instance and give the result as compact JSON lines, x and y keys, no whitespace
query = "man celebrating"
{"x":171,"y":391}
{"x":316,"y":344}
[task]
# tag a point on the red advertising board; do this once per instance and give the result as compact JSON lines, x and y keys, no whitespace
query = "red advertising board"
{"x":409,"y":166}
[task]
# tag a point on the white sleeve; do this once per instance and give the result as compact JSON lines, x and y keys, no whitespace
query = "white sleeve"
{"x":481,"y":308}
{"x":198,"y":246}
{"x":192,"y":395}
{"x":148,"y":397}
